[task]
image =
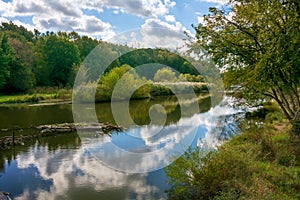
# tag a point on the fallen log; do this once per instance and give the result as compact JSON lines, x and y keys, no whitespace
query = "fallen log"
{"x":4,"y":196}
{"x":71,"y":127}
{"x":52,"y":129}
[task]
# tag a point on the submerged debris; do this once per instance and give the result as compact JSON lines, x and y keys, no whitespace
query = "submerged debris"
{"x":52,"y":129}
{"x":4,"y":196}
{"x":71,"y":127}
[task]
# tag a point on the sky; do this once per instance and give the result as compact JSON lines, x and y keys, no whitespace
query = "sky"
{"x":104,"y":19}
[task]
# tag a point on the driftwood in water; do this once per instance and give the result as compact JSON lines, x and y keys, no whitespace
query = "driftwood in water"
{"x":4,"y":196}
{"x":71,"y":127}
{"x":48,"y":130}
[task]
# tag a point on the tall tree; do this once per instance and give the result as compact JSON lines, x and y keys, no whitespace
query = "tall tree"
{"x":21,"y":76}
{"x":257,"y":43}
{"x":4,"y":59}
{"x":61,"y":55}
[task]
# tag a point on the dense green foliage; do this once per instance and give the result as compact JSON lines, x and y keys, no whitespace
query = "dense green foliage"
{"x":125,"y":83}
{"x":33,"y":59}
{"x":165,"y":75}
{"x":121,"y":81}
{"x":257,"y":43}
{"x":4,"y":59}
{"x":29,"y":60}
{"x":159,"y":57}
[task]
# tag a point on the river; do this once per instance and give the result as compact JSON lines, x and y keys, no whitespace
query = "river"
{"x":63,"y":166}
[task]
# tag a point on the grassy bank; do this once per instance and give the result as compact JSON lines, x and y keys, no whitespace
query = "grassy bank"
{"x":261,"y":163}
{"x":38,"y":95}
{"x":51,"y":94}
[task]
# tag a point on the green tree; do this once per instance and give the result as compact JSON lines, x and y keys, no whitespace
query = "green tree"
{"x":19,"y":32}
{"x":85,"y":44}
{"x":61,"y":56}
{"x":126,"y":78}
{"x":191,"y":78}
{"x":20,"y":67}
{"x":41,"y":68}
{"x":257,"y":43}
{"x":165,"y":75}
{"x":4,"y":59}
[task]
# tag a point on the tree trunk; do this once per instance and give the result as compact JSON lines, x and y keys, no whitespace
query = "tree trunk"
{"x":296,"y":124}
{"x":280,"y":103}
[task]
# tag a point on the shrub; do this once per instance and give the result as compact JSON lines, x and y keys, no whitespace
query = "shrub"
{"x":165,"y":75}
{"x":258,"y":164}
{"x":84,"y":93}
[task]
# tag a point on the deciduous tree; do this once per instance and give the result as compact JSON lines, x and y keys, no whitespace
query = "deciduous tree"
{"x":257,"y":43}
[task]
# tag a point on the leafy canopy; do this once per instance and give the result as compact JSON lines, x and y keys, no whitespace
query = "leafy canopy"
{"x":257,"y":44}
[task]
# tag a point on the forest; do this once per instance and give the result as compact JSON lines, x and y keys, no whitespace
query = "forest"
{"x":33,"y":59}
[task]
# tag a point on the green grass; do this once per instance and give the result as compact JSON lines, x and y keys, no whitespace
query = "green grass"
{"x":261,"y":163}
{"x":46,"y":95}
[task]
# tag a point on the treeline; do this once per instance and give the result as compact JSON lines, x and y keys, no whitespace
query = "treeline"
{"x":34,"y":59}
{"x":125,"y":82}
{"x":30,"y":59}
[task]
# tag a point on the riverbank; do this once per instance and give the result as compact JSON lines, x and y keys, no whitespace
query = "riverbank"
{"x":261,"y":163}
{"x":53,"y":95}
{"x":42,"y":95}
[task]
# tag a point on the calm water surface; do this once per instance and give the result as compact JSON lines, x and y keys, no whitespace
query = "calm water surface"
{"x":61,"y":167}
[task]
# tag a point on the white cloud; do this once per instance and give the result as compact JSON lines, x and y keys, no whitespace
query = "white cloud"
{"x":69,"y":162}
{"x":67,"y":15}
{"x":40,"y":7}
{"x":60,"y":15}
{"x":154,"y":33}
{"x":157,"y":33}
{"x":144,"y":8}
{"x":220,"y":2}
{"x":89,"y":25}
{"x":17,"y":22}
{"x":2,"y":19}
{"x":200,"y":19}
{"x":170,"y":18}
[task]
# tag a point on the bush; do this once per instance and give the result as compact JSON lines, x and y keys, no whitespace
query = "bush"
{"x":64,"y":94}
{"x":270,"y":113}
{"x":165,"y":75}
{"x":117,"y":83}
{"x":160,"y":90}
{"x":84,"y":93}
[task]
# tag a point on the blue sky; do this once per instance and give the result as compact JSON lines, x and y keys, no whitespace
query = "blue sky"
{"x":105,"y":18}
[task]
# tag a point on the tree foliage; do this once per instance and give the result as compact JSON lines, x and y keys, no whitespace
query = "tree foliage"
{"x":4,"y":59}
{"x":157,"y":56}
{"x":165,"y":75}
{"x":29,"y":59}
{"x":257,"y":43}
{"x":33,"y":59}
{"x":61,"y":56}
{"x":127,"y":79}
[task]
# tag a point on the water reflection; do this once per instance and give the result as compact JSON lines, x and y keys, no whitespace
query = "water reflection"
{"x":26,"y":116}
{"x":73,"y":174}
{"x":63,"y":167}
{"x":151,"y":147}
{"x":139,"y":109}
